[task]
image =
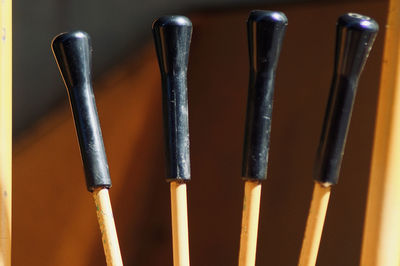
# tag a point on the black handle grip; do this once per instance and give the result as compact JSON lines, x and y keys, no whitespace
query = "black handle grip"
{"x":172,"y":35}
{"x":265,"y":31}
{"x":73,"y":55}
{"x":355,"y":36}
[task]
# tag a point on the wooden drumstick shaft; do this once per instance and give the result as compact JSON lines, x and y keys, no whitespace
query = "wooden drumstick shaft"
{"x":355,"y":35}
{"x":172,"y":36}
{"x":250,"y":219}
{"x":265,"y":32}
{"x":73,"y":55}
{"x":179,"y":219}
{"x":108,"y":231}
{"x":315,"y":224}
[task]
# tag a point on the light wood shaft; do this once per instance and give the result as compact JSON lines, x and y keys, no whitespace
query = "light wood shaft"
{"x":107,"y":227}
{"x":381,"y":240}
{"x":250,"y":217}
{"x":5,"y":130}
{"x":180,"y":235}
{"x":315,"y":224}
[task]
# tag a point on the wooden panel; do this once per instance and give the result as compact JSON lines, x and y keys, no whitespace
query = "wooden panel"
{"x":381,"y":243}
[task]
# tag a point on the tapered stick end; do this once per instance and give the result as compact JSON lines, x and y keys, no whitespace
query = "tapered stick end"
{"x":172,"y":36}
{"x":168,"y":21}
{"x":355,"y":37}
{"x":73,"y":55}
{"x":354,"y":21}
{"x":275,"y":17}
{"x":265,"y":32}
{"x":72,"y":51}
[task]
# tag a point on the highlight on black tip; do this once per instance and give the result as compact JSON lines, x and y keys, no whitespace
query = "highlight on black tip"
{"x":266,"y":15}
{"x":62,"y":37}
{"x":73,"y":55}
{"x":359,"y":22}
{"x":172,"y":20}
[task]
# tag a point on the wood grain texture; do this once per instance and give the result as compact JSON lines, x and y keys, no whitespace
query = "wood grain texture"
{"x":381,"y":243}
{"x":5,"y":131}
{"x":249,"y":229}
{"x":108,"y":231}
{"x":315,"y":225}
{"x":179,"y":222}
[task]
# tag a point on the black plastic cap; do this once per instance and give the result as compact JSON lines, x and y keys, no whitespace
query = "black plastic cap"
{"x":265,"y":32}
{"x":73,"y":55}
{"x":172,"y":36}
{"x":354,"y":21}
{"x":354,"y":39}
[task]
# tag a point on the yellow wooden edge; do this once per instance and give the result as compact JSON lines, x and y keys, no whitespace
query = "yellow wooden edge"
{"x":381,"y":241}
{"x":5,"y":129}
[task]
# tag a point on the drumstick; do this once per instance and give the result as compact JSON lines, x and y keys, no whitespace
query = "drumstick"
{"x":72,"y":52}
{"x":5,"y":131}
{"x":355,"y":36}
{"x":265,"y":31}
{"x":172,"y":35}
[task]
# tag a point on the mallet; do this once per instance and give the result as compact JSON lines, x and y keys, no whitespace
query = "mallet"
{"x":265,"y":31}
{"x":73,"y":55}
{"x":355,"y":36}
{"x":172,"y":35}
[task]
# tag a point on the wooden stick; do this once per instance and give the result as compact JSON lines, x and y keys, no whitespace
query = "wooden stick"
{"x":172,"y":36}
{"x":265,"y":33}
{"x":251,"y":211}
{"x":381,"y":241}
{"x":355,"y":35}
{"x":72,"y":51}
{"x":5,"y":130}
{"x":107,"y":227}
{"x":180,"y":235}
{"x":315,"y":224}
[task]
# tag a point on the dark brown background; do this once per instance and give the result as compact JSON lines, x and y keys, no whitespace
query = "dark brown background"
{"x":54,"y":220}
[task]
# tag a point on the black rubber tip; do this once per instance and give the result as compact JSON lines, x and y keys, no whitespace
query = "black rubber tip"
{"x":354,"y":21}
{"x":165,"y":21}
{"x":355,"y":36}
{"x":73,"y":55}
{"x":172,"y":36}
{"x":275,"y":17}
{"x":265,"y":32}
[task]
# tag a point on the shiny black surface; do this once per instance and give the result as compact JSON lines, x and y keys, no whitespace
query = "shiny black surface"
{"x":265,"y":31}
{"x":172,"y":36}
{"x":354,"y":40}
{"x":73,"y":55}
